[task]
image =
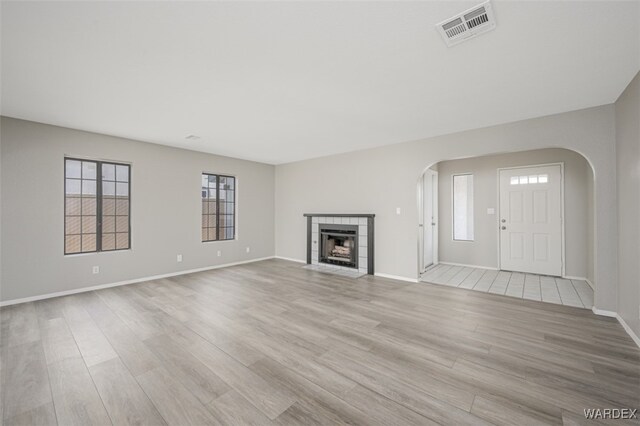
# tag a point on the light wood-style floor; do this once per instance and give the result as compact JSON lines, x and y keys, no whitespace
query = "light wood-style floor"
{"x":273,"y":343}
{"x":543,"y":288}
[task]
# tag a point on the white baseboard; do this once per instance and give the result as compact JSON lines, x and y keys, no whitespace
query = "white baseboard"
{"x":395,"y":277}
{"x":290,"y":259}
{"x":468,"y":266}
{"x":119,"y":283}
{"x":628,"y":330}
{"x":604,"y":313}
{"x":569,"y":277}
{"x":622,"y":322}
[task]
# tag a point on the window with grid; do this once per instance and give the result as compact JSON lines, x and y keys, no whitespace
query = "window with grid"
{"x":218,"y":207}
{"x":96,"y":206}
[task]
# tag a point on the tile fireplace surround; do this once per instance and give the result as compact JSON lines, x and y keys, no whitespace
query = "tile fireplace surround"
{"x":365,"y":223}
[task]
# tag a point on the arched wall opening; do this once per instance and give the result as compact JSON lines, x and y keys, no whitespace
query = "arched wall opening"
{"x":439,"y":245}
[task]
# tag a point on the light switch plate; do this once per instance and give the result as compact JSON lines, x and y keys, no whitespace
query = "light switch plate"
{"x":179,"y":258}
{"x":397,"y":210}
{"x":491,"y":210}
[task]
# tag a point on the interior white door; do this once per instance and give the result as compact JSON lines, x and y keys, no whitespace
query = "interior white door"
{"x":531,"y":220}
{"x":430,"y":219}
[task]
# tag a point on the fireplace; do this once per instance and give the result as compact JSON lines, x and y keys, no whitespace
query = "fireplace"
{"x":341,"y":242}
{"x":339,"y":245}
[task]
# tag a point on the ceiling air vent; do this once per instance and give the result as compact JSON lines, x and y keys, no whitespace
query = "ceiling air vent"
{"x":467,"y":24}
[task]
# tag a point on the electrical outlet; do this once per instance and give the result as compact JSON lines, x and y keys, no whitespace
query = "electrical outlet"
{"x":219,"y":253}
{"x":96,"y":269}
{"x":179,"y":258}
{"x":248,"y":249}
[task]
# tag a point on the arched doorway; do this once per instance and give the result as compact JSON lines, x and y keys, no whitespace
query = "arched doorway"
{"x":478,"y":229}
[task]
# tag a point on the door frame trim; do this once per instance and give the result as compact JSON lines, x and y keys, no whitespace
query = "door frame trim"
{"x":562,"y":231}
{"x":453,"y":219}
{"x":422,"y":268}
{"x":435,"y":199}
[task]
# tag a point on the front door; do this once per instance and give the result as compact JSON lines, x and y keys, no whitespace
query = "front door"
{"x":531,"y":220}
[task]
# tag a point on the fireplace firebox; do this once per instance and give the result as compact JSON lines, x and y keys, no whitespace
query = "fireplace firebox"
{"x":339,"y":245}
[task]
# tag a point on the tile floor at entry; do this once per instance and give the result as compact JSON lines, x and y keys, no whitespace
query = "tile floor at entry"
{"x":543,"y":288}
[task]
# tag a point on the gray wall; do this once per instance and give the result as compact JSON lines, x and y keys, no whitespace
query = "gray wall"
{"x":483,"y":251}
{"x":165,"y":210}
{"x":628,"y":168}
{"x":381,"y":179}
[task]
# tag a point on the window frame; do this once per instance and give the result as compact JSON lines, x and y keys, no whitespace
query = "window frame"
{"x":235,"y":207}
{"x":453,"y":208}
{"x":99,"y":202}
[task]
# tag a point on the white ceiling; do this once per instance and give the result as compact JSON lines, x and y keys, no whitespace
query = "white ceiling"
{"x":282,"y":81}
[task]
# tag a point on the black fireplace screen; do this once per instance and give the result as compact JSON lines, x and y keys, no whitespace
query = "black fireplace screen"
{"x":339,"y":245}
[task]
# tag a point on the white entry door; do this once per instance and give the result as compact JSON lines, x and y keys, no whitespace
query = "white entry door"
{"x":430,"y":219}
{"x":531,"y":220}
